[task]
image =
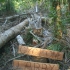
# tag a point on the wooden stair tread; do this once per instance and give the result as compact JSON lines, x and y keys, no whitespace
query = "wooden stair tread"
{"x":28,"y":65}
{"x":40,"y":52}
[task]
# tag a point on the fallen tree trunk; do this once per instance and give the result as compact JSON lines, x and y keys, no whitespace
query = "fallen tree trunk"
{"x":11,"y":33}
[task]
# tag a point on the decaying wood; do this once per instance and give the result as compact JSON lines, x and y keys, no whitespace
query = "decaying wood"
{"x":28,"y":65}
{"x":41,"y":52}
{"x":20,"y":40}
{"x":11,"y":33}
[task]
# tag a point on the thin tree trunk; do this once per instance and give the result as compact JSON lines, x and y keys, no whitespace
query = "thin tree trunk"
{"x":58,"y":24}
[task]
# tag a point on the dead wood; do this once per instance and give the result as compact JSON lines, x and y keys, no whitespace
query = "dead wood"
{"x":20,"y":40}
{"x":11,"y":33}
{"x":14,"y":16}
{"x":36,"y":36}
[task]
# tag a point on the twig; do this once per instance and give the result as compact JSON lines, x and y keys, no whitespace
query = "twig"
{"x":37,"y":46}
{"x":36,"y":8}
{"x":11,"y":60}
{"x":36,"y":36}
{"x":12,"y":45}
{"x":68,"y":42}
{"x":13,"y":50}
{"x":5,"y":21}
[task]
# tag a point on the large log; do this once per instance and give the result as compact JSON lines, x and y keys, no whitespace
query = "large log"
{"x":11,"y":33}
{"x":41,"y":52}
{"x":28,"y":65}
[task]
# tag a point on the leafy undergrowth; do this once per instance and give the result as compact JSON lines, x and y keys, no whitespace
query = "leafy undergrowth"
{"x":65,"y":63}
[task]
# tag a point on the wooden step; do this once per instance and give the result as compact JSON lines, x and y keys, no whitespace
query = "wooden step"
{"x":41,"y":52}
{"x":28,"y":65}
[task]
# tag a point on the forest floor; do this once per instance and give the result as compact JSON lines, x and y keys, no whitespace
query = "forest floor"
{"x":6,"y":52}
{"x":7,"y":56}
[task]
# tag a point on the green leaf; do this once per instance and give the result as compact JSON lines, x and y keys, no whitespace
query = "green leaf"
{"x":55,"y":47}
{"x":2,"y":1}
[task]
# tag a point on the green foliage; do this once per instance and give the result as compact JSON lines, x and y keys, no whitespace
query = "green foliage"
{"x":63,"y":19}
{"x":66,"y":20}
{"x":53,"y":14}
{"x":68,"y":54}
{"x":22,"y":5}
{"x":55,"y":47}
{"x":7,"y":7}
{"x":28,"y":37}
{"x":2,"y":1}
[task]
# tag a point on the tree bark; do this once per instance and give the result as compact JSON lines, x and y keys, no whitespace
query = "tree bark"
{"x":11,"y":33}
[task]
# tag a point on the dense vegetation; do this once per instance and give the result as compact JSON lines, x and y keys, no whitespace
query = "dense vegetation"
{"x":57,"y":13}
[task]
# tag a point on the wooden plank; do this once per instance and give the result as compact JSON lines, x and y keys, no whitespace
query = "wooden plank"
{"x":28,"y":65}
{"x":41,"y":52}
